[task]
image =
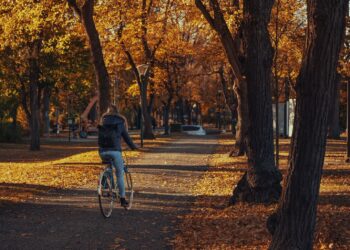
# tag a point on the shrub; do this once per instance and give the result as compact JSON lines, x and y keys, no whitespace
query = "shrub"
{"x":9,"y":133}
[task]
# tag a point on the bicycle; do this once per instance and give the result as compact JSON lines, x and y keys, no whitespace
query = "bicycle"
{"x":107,"y":190}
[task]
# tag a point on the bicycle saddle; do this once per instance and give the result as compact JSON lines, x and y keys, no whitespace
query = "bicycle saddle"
{"x":107,"y":161}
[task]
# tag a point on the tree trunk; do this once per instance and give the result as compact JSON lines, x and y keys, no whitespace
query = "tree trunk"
{"x":166,"y":117}
{"x":46,"y":110}
{"x":240,"y":90}
{"x":86,"y":13}
{"x":333,"y":124}
{"x":232,"y":51}
{"x":261,"y":182}
{"x":231,"y":99}
{"x":151,"y":103}
{"x":33,"y":95}
{"x":293,"y":224}
{"x":147,"y":122}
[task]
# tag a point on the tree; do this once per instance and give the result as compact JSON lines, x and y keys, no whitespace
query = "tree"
{"x":293,"y":223}
{"x":29,"y":30}
{"x":85,"y":12}
{"x":231,"y":45}
{"x":34,"y":72}
{"x":41,"y":53}
{"x":230,"y":99}
{"x":261,"y":182}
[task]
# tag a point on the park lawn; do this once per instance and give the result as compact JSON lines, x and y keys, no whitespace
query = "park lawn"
{"x":213,"y":225}
{"x":58,"y":165}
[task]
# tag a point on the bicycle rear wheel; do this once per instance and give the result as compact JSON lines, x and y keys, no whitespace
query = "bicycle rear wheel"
{"x":129,"y":190}
{"x":105,"y":193}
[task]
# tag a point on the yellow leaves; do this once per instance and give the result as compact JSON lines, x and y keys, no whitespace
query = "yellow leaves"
{"x":134,"y":90}
{"x":213,"y":225}
{"x":79,"y":170}
{"x":28,"y":20}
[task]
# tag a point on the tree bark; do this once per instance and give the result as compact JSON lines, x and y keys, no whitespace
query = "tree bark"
{"x":293,"y":224}
{"x":231,"y":99}
{"x":242,"y":118}
{"x":333,"y":124}
{"x":86,"y":13}
{"x":34,"y":72}
{"x":261,"y":182}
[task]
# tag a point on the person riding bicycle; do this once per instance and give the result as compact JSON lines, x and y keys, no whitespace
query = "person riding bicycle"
{"x":112,"y":128}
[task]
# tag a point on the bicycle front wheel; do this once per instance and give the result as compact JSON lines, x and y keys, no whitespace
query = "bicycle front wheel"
{"x":105,"y":193}
{"x":129,"y":190}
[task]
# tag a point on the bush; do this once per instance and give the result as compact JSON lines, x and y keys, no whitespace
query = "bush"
{"x":10,"y":134}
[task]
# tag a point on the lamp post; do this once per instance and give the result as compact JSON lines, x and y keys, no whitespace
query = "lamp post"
{"x":218,"y":96}
{"x":142,"y":69}
{"x":115,"y":86}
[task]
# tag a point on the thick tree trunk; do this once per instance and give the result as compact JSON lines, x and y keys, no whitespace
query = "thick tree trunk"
{"x":261,"y":182}
{"x":86,"y":13}
{"x":33,"y":95}
{"x":294,"y":222}
{"x":333,"y":124}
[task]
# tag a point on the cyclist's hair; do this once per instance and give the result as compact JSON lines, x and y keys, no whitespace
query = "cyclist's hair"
{"x":113,"y":110}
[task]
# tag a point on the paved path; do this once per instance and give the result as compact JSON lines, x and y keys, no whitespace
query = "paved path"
{"x":70,"y":219}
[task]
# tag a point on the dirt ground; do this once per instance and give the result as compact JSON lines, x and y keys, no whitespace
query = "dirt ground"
{"x":51,"y":202}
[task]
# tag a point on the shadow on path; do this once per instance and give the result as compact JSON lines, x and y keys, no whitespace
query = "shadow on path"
{"x":44,"y":217}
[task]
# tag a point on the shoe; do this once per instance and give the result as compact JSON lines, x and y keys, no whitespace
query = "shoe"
{"x":123,"y":202}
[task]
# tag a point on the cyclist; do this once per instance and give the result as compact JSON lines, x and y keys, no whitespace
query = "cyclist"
{"x":113,"y":127}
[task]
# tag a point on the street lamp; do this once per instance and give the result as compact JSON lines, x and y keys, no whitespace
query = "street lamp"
{"x":115,"y":87}
{"x":142,"y":69}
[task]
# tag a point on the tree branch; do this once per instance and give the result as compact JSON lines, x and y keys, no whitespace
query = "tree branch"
{"x":129,"y":56}
{"x":73,"y":4}
{"x":206,"y":13}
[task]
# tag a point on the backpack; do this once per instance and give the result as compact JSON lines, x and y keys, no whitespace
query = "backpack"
{"x":107,"y":136}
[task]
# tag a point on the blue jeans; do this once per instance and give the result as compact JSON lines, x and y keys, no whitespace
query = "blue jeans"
{"x":118,"y":163}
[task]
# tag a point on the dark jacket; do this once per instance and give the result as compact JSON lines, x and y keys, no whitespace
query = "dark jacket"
{"x":119,"y":123}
